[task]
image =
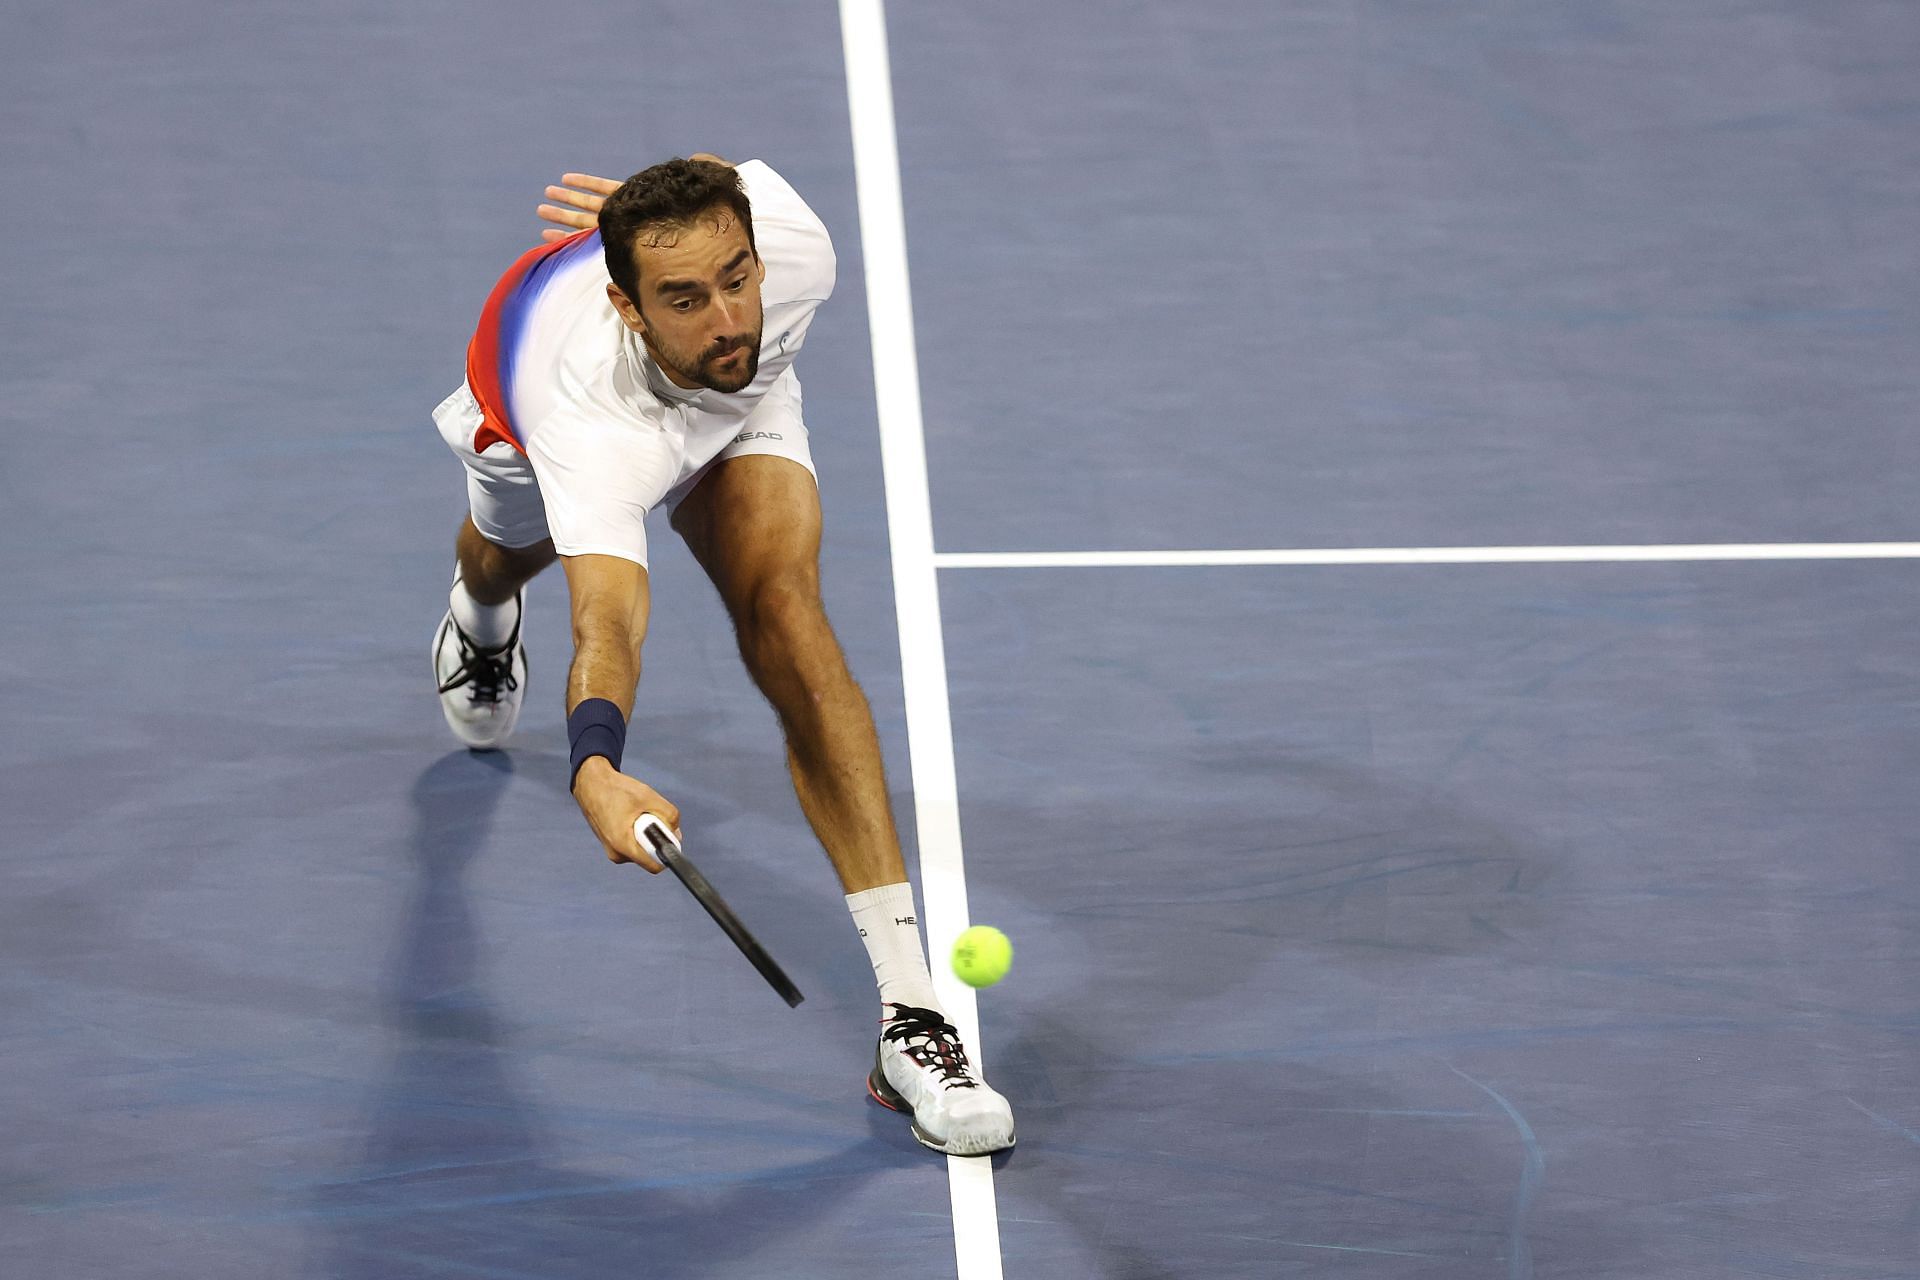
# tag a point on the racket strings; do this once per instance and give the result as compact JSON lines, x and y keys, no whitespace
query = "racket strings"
{"x":930,"y":1041}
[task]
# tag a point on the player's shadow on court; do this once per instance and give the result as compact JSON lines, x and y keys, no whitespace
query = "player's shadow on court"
{"x":458,"y":1174}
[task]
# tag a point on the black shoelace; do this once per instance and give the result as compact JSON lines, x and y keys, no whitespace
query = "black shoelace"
{"x":487,"y":671}
{"x":939,"y":1043}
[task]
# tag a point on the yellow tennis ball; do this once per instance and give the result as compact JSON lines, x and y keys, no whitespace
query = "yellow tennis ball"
{"x":981,"y":956}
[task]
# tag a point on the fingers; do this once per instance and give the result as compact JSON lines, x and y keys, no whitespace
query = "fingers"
{"x":658,"y":813}
{"x":590,"y":204}
{"x":587,"y":182}
{"x":579,"y":210}
{"x":637,"y":851}
{"x":567,"y":217}
{"x":616,"y":805}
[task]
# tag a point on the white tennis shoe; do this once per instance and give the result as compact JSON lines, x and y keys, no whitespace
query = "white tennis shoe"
{"x":920,"y":1067}
{"x":480,"y":689}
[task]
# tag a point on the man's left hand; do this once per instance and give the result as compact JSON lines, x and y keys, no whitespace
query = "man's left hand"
{"x":579,"y":210}
{"x":575,"y":210}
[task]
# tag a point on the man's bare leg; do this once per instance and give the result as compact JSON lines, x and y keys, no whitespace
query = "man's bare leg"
{"x":478,"y":661}
{"x":754,"y":525}
{"x":494,"y":574}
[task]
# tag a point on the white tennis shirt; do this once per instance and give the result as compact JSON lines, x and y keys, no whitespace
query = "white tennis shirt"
{"x":562,"y":379}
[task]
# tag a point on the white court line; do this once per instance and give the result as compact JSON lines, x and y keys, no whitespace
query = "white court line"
{"x":916,"y":589}
{"x":1430,"y":555}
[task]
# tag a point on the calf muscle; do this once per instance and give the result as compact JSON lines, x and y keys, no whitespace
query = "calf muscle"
{"x":755,"y":528}
{"x":493,"y":574}
{"x":833,"y":752}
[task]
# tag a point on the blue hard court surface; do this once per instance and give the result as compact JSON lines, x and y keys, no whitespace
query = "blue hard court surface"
{"x":1501,"y":921}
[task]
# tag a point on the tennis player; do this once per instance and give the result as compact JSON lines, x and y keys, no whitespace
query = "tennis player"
{"x":642,"y":360}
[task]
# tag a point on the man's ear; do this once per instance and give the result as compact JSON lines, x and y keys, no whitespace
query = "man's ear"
{"x":761,"y":263}
{"x":629,"y":314}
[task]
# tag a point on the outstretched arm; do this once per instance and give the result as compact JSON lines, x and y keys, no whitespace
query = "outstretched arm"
{"x":610,"y":606}
{"x":578,"y":200}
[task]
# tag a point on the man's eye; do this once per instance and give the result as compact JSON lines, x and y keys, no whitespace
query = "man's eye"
{"x":738,"y":285}
{"x":684,"y":304}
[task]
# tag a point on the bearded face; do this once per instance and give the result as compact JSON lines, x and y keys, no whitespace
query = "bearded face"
{"x":699,"y":309}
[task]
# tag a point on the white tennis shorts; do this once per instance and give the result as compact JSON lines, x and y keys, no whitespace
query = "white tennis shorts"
{"x":503,"y":492}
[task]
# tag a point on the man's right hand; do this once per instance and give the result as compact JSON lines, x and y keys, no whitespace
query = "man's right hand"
{"x":613,"y":802}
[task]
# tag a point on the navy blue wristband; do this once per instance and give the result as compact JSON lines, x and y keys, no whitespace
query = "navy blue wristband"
{"x":595,"y":728}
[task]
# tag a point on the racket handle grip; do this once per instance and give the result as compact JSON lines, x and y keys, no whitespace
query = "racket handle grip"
{"x":652,"y":831}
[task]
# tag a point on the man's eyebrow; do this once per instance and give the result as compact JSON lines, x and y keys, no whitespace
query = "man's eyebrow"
{"x":689,"y":286}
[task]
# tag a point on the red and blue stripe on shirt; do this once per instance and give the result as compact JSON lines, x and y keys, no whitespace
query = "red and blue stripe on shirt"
{"x":490,"y":355}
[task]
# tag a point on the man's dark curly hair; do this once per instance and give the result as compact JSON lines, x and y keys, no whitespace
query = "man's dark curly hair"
{"x":669,"y":196}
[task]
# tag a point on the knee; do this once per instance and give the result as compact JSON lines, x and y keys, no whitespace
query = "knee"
{"x":531,"y":560}
{"x":785,"y":636}
{"x":493,"y":573}
{"x":519,"y":562}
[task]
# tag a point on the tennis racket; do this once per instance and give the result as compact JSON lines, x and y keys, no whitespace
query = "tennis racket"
{"x":654,"y":834}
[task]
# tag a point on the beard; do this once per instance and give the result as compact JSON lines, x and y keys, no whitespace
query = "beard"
{"x":704,"y":367}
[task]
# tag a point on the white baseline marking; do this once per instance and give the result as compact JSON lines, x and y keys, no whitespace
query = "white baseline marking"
{"x":916,"y":591}
{"x":1430,"y":555}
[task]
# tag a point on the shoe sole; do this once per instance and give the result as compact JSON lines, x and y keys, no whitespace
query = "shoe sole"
{"x":433,"y":661}
{"x":887,"y":1096}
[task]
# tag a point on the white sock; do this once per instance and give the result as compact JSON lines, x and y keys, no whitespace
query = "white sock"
{"x":890,"y":927}
{"x":488,"y":625}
